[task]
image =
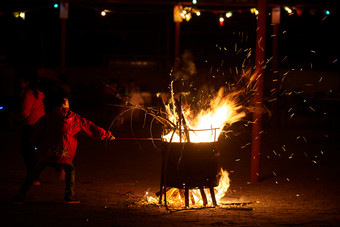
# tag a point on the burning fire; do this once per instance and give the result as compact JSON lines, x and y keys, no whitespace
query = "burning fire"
{"x":207,"y":124}
{"x":202,"y":126}
{"x":175,"y":197}
{"x":187,"y":125}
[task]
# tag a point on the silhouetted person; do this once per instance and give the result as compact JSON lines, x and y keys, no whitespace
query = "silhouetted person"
{"x":32,"y":109}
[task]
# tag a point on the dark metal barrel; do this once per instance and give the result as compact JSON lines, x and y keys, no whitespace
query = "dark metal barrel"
{"x":192,"y":164}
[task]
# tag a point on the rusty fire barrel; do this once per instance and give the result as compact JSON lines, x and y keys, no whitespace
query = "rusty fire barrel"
{"x":192,"y":164}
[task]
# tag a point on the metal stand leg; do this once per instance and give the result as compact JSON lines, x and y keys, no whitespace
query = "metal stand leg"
{"x":160,"y":195}
{"x":164,"y":191}
{"x":162,"y":188}
{"x":186,"y":196}
{"x":212,"y":193}
{"x":204,"y":196}
{"x":163,"y":178}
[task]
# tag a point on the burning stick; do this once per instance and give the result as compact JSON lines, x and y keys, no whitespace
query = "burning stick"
{"x":158,"y":139}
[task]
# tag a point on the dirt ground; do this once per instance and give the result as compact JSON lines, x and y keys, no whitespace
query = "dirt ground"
{"x":299,"y":185}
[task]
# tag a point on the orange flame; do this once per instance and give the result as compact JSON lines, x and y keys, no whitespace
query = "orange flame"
{"x":207,"y":125}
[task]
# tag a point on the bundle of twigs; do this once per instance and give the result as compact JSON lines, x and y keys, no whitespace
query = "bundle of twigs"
{"x":157,"y":114}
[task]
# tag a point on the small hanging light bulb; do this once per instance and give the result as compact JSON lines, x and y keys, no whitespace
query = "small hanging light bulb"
{"x":228,"y":14}
{"x":188,"y":16}
{"x":254,"y":11}
{"x":103,"y":13}
{"x":221,"y":21}
{"x":22,"y":15}
{"x":16,"y":14}
{"x":198,"y":13}
{"x":289,"y":10}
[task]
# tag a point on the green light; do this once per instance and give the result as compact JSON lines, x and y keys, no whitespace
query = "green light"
{"x":55,"y":5}
{"x":194,"y":2}
{"x":327,"y":12}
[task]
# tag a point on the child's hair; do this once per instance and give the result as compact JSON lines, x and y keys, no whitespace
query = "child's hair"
{"x":32,"y":77}
{"x":56,"y":97}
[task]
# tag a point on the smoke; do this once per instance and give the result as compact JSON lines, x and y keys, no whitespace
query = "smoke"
{"x":187,"y":68}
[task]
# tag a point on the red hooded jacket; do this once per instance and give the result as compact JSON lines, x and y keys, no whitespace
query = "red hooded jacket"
{"x":32,"y":107}
{"x":55,"y":135}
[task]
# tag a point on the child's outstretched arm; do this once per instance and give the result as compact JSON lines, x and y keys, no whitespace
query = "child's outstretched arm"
{"x":94,"y":131}
{"x":112,"y":137}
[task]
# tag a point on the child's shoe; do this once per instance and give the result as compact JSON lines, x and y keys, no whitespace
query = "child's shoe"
{"x":70,"y":200}
{"x":36,"y":183}
{"x":19,"y":199}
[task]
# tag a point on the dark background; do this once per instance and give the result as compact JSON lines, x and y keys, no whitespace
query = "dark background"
{"x":147,"y":32}
{"x":299,"y":153}
{"x":135,"y":41}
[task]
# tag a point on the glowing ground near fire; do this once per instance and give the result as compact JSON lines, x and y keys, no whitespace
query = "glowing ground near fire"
{"x":176,"y":196}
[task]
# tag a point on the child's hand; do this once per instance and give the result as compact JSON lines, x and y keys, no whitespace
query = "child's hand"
{"x":112,"y":138}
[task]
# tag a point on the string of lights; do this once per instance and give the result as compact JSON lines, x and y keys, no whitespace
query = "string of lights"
{"x":185,"y":13}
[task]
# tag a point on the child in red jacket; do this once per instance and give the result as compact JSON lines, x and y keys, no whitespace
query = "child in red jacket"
{"x":56,"y":142}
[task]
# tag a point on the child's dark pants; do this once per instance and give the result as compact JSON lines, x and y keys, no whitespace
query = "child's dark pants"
{"x":40,"y":166}
{"x":27,"y":148}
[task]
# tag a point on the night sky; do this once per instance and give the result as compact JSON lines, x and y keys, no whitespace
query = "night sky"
{"x":147,"y":32}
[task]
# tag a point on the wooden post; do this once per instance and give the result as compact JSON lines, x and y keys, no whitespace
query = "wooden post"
{"x":258,"y":97}
{"x":63,"y":15}
{"x":275,"y":46}
{"x":63,"y":46}
{"x":276,"y":17}
{"x":42,"y":43}
{"x":177,"y":45}
{"x":276,"y":14}
{"x":177,"y":19}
